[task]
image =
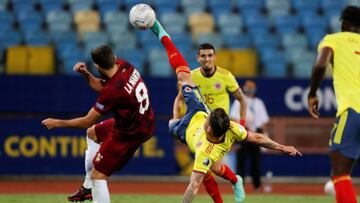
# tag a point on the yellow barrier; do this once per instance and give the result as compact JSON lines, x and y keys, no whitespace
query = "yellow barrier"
{"x":241,"y":62}
{"x":39,"y":60}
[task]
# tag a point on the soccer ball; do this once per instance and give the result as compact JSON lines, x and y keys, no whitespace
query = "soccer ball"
{"x":329,"y":188}
{"x":142,"y":16}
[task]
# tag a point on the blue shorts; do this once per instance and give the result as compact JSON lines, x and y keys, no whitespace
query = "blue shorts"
{"x":345,"y":135}
{"x":194,"y":103}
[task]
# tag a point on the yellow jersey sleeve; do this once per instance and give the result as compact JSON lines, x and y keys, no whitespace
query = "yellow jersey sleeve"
{"x":232,"y":84}
{"x":327,"y":41}
{"x":202,"y":162}
{"x":238,"y":131}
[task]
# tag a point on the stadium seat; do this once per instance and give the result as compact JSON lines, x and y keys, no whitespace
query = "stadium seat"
{"x":236,"y":41}
{"x":10,"y":38}
{"x":63,"y":37}
{"x":70,"y":61}
{"x":58,"y":20}
{"x":163,"y":6}
{"x":174,"y":22}
{"x":335,"y":24}
{"x":50,"y":5}
{"x":87,"y":21}
{"x":190,"y":6}
{"x":4,"y":5}
{"x":201,"y":23}
{"x":285,"y":24}
{"x":302,"y":63}
{"x":78,"y":5}
{"x":131,"y":3}
{"x":29,"y":22}
{"x":116,"y":17}
{"x":36,"y":38}
{"x":250,"y":4}
{"x":296,"y":40}
{"x":310,"y":5}
{"x":23,"y":6}
{"x":332,"y":7}
{"x":266,"y":41}
{"x":276,"y":69}
{"x":315,"y":21}
{"x":135,"y":56}
{"x":182,"y":39}
{"x":315,"y":35}
{"x":277,"y":7}
{"x":159,"y":65}
{"x":274,"y":64}
{"x":230,"y":23}
{"x":213,"y":38}
{"x":353,"y":2}
{"x":126,"y":40}
{"x":256,"y":23}
{"x":96,"y":37}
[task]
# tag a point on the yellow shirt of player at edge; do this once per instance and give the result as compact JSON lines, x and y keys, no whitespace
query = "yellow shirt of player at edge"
{"x":206,"y":152}
{"x":216,"y":89}
{"x":346,"y":69}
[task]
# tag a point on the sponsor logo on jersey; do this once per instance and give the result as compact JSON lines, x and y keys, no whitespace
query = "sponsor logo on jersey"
{"x":206,"y":162}
{"x":99,"y":106}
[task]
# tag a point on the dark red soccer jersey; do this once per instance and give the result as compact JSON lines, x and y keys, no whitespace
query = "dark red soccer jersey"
{"x":125,"y":95}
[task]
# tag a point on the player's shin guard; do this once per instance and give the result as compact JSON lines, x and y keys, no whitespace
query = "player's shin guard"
{"x":212,"y":188}
{"x":100,"y":191}
{"x":227,"y":174}
{"x":92,"y":148}
{"x":344,"y":189}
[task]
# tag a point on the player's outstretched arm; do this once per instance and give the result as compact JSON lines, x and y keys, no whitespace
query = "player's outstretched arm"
{"x":80,"y":122}
{"x":323,"y":60}
{"x":94,"y":82}
{"x":266,"y":142}
{"x":176,"y":59}
{"x":193,"y":187}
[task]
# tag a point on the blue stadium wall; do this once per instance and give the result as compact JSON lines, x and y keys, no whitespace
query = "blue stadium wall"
{"x":28,"y":148}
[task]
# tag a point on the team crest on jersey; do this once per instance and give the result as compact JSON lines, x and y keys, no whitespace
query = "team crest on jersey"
{"x":206,"y":162}
{"x":187,"y":89}
{"x":217,"y":86}
{"x":98,"y":157}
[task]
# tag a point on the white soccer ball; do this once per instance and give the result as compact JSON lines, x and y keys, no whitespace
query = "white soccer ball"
{"x":142,"y":16}
{"x":329,"y":188}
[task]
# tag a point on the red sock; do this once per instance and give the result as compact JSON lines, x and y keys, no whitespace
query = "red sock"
{"x":227,"y":174}
{"x":176,"y":60}
{"x":212,"y":188}
{"x":344,"y":189}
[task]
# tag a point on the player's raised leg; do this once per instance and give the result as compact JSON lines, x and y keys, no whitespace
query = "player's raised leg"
{"x":176,"y":59}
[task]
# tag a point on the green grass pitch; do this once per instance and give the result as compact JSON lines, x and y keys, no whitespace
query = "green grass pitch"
{"x":139,"y":198}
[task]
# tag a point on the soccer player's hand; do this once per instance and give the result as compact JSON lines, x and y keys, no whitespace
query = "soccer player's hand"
{"x":290,"y":150}
{"x":81,"y":68}
{"x":313,"y":103}
{"x":50,"y":123}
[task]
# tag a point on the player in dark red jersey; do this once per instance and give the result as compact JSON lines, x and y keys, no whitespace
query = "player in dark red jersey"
{"x":125,"y":95}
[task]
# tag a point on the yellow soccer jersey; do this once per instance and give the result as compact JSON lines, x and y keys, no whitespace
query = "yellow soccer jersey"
{"x":346,"y":68}
{"x":216,"y":89}
{"x":206,"y":153}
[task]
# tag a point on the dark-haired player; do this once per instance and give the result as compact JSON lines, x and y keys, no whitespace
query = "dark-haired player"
{"x":342,"y":51}
{"x":209,"y":135}
{"x":125,"y":95}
